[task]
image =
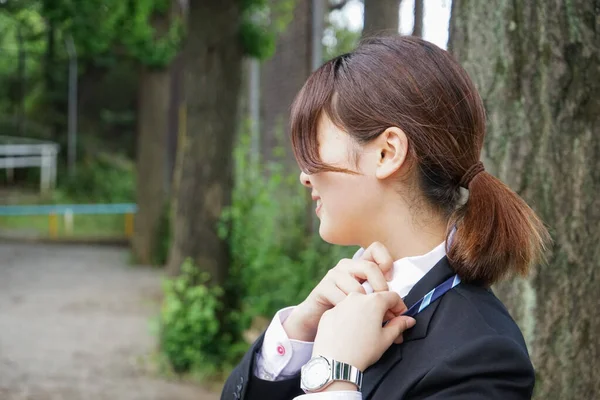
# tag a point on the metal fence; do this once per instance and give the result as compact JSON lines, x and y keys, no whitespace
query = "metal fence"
{"x":18,"y":152}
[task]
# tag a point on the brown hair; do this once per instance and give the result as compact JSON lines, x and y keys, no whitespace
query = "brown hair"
{"x":412,"y":84}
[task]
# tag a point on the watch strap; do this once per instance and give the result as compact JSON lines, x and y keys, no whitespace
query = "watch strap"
{"x":345,"y":372}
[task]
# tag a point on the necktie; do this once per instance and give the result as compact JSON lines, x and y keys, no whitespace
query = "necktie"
{"x":432,"y":296}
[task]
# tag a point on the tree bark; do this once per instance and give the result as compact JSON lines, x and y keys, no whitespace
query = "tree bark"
{"x":152,"y":158}
{"x":213,"y":56}
{"x":536,"y":66}
{"x":381,"y":17}
{"x":282,"y":78}
{"x":151,"y":162}
{"x":419,"y":13}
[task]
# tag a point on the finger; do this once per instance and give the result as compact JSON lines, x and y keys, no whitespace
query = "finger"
{"x":334,"y":295}
{"x":347,"y":283}
{"x":386,"y":301}
{"x":388,"y":316}
{"x":399,"y":309}
{"x":392,"y":332}
{"x":380,"y":255}
{"x":370,"y":272}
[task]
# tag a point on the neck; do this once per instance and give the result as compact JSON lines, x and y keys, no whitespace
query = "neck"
{"x":405,"y":234}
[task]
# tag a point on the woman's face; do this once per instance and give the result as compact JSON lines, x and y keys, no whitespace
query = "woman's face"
{"x":346,"y":203}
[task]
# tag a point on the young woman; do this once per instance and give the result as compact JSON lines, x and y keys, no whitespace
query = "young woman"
{"x":389,"y":138}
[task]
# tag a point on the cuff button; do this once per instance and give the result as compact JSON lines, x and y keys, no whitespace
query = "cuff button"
{"x":280,"y":350}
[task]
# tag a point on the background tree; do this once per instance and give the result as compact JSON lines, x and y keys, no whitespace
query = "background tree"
{"x":155,"y":49}
{"x":419,"y":13}
{"x":536,"y":66}
{"x":282,"y":76}
{"x":213,"y":53}
{"x":381,"y":17}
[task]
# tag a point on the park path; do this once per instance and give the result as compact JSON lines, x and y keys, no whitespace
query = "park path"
{"x":75,"y":325}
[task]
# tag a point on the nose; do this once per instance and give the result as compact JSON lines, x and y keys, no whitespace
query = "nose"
{"x":305,"y":179}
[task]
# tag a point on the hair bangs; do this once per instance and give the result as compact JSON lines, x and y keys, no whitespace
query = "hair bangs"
{"x":317,"y":97}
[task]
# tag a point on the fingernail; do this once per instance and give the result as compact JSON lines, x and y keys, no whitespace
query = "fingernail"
{"x":411,"y":322}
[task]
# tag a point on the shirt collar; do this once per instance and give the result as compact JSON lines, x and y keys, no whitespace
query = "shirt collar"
{"x":408,"y":271}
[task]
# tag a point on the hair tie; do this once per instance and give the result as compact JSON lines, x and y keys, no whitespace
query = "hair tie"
{"x":471,"y":173}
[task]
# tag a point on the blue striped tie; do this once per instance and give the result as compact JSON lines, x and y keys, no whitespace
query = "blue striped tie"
{"x":432,"y":296}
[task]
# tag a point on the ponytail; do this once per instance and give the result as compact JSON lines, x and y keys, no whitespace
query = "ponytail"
{"x":497,"y":233}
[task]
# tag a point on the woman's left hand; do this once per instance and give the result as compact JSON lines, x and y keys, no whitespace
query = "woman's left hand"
{"x":352,"y":331}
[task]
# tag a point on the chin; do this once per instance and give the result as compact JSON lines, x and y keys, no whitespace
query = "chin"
{"x":331,"y":235}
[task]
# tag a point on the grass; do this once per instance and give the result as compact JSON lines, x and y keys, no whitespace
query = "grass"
{"x":83,"y":225}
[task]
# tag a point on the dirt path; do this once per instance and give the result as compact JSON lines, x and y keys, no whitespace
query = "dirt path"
{"x":75,"y":324}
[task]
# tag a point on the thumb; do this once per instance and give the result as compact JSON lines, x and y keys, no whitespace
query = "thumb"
{"x":396,"y":327}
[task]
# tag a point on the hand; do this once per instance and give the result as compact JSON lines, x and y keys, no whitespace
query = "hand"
{"x":352,"y":332}
{"x":345,"y":278}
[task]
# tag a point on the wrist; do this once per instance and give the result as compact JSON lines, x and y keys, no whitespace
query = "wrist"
{"x":300,"y":325}
{"x":339,"y":386}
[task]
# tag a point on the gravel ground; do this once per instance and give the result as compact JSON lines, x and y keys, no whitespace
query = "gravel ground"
{"x":74,"y":324}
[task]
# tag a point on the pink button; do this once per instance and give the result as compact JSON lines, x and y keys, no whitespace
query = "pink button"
{"x":280,"y":350}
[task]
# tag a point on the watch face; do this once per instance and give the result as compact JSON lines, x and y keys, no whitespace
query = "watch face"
{"x":315,"y":373}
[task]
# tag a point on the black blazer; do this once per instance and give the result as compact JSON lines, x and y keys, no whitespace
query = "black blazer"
{"x":464,"y":346}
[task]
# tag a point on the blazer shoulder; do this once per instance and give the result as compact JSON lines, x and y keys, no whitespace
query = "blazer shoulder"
{"x":483,"y":310}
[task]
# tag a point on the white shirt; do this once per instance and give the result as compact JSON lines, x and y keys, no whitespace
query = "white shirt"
{"x":281,"y":358}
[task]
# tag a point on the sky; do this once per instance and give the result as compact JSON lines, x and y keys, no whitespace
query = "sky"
{"x":435,"y":22}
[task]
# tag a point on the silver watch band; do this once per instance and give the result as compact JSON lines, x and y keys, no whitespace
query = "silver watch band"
{"x":345,"y":372}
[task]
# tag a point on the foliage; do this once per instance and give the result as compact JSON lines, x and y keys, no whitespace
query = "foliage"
{"x":100,"y":27}
{"x":277,"y":257}
{"x":102,"y":179}
{"x":147,"y":44}
{"x":194,"y":329}
{"x":262,"y":21}
{"x":338,"y":37}
{"x":275,"y":263}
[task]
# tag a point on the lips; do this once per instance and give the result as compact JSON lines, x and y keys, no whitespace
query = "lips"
{"x":319,"y":205}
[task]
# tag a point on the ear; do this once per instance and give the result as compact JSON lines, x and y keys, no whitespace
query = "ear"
{"x":393,"y":149}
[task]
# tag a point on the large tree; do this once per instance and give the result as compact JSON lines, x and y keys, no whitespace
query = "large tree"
{"x":381,"y":17}
{"x":536,"y":66}
{"x":419,"y":13}
{"x":155,"y":51}
{"x":282,"y":77}
{"x":213,"y":54}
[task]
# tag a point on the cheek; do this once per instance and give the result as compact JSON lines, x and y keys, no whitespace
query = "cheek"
{"x":345,"y":196}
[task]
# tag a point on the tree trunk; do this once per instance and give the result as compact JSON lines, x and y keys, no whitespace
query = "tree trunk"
{"x":282,"y":78}
{"x":419,"y":12}
{"x":536,"y":66}
{"x":381,"y":17}
{"x":151,"y":157}
{"x":213,"y":56}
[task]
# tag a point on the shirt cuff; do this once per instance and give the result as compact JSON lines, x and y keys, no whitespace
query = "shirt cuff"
{"x":341,"y":395}
{"x":281,"y":357}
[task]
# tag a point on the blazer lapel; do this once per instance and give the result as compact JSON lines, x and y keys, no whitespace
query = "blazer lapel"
{"x":375,"y":373}
{"x":437,"y":275}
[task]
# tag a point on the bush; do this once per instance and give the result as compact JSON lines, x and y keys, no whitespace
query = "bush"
{"x":194,"y":325}
{"x":276,"y":261}
{"x":277,"y":257}
{"x":102,"y":179}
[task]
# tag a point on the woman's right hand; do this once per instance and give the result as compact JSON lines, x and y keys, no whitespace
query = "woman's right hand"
{"x":374,"y":265}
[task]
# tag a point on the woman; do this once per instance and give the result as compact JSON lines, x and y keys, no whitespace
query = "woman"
{"x":387,"y":136}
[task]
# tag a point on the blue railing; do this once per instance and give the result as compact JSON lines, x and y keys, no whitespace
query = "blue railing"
{"x":70,"y":210}
{"x":60,"y":209}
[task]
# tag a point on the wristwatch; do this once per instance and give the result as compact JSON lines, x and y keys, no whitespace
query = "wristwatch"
{"x":320,"y":372}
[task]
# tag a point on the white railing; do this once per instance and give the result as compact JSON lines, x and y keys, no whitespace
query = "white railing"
{"x":18,"y":152}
